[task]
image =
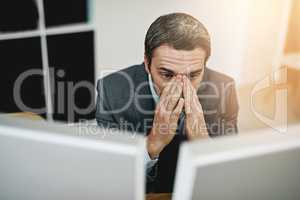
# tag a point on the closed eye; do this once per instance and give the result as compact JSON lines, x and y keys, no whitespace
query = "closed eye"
{"x":195,"y":74}
{"x":167,"y":75}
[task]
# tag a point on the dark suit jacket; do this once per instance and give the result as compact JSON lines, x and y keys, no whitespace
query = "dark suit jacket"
{"x":125,"y":102}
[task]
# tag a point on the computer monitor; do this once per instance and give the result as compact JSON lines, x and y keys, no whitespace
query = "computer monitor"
{"x":260,"y":165}
{"x":40,"y":160}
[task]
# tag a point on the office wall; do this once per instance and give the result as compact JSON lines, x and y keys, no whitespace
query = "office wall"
{"x":293,"y":37}
{"x":246,"y":35}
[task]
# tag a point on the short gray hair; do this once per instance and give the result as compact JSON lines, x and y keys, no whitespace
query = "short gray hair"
{"x":178,"y":30}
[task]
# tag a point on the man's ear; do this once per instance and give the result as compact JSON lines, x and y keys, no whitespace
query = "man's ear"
{"x":147,"y":67}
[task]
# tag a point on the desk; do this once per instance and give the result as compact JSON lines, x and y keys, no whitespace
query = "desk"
{"x":159,"y":196}
{"x":26,"y":115}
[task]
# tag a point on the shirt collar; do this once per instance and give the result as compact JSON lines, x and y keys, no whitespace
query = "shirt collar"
{"x":153,"y":92}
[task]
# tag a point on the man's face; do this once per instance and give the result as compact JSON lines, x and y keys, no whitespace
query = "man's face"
{"x":168,"y":62}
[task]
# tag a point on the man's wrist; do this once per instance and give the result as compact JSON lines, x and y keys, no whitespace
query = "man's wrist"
{"x":153,"y":150}
{"x":154,"y":147}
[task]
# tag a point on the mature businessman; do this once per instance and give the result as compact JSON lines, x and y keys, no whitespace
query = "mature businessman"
{"x":172,"y":97}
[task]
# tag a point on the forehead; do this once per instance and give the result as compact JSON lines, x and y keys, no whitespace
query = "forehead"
{"x":178,"y":60}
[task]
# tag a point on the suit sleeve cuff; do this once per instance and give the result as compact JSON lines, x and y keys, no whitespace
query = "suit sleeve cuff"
{"x":148,"y":161}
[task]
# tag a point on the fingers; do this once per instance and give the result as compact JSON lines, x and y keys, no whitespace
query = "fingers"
{"x":171,"y":94}
{"x":175,"y":95}
{"x":178,"y":109}
{"x":167,"y":89}
{"x":163,"y":102}
{"x":187,"y":96}
{"x":192,"y":103}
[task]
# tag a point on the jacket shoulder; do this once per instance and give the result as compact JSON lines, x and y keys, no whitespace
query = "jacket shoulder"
{"x":120,"y":76}
{"x":121,"y":79}
{"x":118,"y":88}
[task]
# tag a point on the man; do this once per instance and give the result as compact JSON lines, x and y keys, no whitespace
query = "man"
{"x":172,"y":97}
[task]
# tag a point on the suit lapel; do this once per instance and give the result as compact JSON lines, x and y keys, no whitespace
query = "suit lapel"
{"x":144,"y":104}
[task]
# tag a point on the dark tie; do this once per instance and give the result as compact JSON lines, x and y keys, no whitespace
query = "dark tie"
{"x":168,"y":159}
{"x":181,"y":127}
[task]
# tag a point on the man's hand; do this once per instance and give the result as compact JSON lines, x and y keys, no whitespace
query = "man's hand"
{"x":194,"y":122}
{"x":166,"y":117}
